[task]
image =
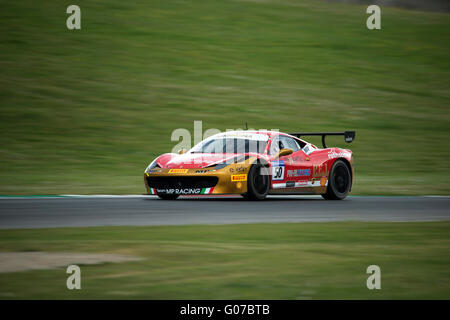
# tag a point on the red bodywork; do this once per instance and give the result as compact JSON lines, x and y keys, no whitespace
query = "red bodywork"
{"x":298,"y":173}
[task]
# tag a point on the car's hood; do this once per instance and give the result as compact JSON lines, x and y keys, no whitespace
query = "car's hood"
{"x":199,"y":160}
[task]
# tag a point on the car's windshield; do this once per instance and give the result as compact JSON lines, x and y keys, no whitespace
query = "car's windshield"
{"x":230,"y":145}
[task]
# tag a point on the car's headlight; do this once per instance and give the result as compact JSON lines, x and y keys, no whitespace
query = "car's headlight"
{"x":151,"y":166}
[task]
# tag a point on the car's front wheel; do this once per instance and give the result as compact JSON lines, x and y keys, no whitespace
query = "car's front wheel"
{"x":339,"y":182}
{"x":168,"y":196}
{"x":258,"y":182}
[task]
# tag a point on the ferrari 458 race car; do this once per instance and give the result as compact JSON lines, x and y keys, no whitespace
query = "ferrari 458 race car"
{"x":254,"y":164}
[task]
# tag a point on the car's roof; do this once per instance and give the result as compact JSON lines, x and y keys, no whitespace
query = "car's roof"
{"x":261,"y":135}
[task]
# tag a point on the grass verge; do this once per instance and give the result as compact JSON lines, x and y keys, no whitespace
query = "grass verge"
{"x":254,"y":261}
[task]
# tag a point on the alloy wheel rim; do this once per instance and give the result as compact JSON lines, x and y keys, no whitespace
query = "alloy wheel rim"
{"x":341,"y":179}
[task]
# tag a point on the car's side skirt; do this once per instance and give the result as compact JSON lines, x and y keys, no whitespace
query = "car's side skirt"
{"x":302,"y":190}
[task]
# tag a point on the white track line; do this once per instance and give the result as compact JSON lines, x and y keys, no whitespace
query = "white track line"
{"x":142,"y":196}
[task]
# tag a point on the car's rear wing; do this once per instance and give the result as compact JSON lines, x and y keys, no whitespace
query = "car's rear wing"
{"x":349,"y":135}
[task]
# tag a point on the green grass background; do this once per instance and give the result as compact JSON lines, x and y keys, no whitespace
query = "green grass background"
{"x":260,"y":261}
{"x":85,"y":111}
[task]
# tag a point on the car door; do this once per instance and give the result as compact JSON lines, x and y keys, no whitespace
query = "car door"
{"x":298,"y":166}
{"x":278,"y":171}
{"x":292,"y":170}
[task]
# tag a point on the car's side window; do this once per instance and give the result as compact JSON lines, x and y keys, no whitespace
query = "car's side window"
{"x":283,"y":142}
{"x":289,"y":143}
{"x":274,"y":146}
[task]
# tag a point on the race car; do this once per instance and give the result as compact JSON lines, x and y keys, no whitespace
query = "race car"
{"x":254,"y":164}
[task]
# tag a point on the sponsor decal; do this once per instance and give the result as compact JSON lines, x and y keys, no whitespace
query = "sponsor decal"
{"x":296,"y":158}
{"x":202,"y":171}
{"x":290,"y":184}
{"x":180,"y":191}
{"x":239,"y":177}
{"x":308,"y":149}
{"x":332,"y":154}
{"x":323,"y":182}
{"x":278,"y":170}
{"x":320,"y":170}
{"x":298,"y":173}
{"x":238,"y":169}
{"x":300,"y":184}
{"x":178,"y":170}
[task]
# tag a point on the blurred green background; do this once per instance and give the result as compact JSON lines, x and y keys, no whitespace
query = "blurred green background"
{"x":84,"y":111}
{"x":247,"y":261}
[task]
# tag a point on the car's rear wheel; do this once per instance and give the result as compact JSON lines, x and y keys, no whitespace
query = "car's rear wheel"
{"x":168,"y":196}
{"x":258,"y":182}
{"x":339,"y":182}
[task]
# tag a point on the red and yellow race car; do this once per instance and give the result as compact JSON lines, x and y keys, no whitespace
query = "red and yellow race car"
{"x":254,"y":164}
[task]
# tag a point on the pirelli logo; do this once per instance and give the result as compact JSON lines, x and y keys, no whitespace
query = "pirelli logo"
{"x":178,"y":170}
{"x":239,"y":177}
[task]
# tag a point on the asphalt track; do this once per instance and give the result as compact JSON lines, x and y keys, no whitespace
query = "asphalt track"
{"x":149,"y":210}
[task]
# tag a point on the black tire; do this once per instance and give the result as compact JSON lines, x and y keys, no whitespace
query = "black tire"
{"x":257,"y":184}
{"x":339,"y":182}
{"x":168,"y":196}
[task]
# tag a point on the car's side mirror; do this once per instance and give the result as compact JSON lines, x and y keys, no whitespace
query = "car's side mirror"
{"x":284,"y":152}
{"x":181,"y":151}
